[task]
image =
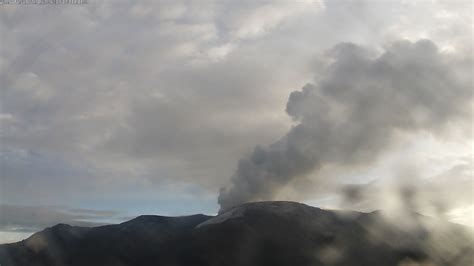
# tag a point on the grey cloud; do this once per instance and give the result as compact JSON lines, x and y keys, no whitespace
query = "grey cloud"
{"x":354,"y":113}
{"x":168,"y":91}
{"x":28,"y":174}
{"x":105,"y":106}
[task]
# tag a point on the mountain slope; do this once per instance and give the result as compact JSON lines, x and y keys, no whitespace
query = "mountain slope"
{"x":263,"y":233}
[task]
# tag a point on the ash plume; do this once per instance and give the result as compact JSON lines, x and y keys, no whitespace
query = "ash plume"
{"x":354,"y":113}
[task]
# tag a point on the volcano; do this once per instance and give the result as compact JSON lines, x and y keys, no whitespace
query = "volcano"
{"x":261,"y":233}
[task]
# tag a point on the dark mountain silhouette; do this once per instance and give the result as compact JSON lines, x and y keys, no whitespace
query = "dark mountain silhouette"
{"x":263,"y":233}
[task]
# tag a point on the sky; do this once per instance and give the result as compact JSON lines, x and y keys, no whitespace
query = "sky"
{"x":113,"y":109}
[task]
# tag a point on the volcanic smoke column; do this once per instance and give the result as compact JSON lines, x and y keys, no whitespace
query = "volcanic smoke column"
{"x":352,"y":115}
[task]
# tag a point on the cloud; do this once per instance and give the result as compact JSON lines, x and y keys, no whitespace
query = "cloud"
{"x":126,"y":100}
{"x":354,"y":114}
{"x":21,"y":218}
{"x":142,"y":104}
{"x":447,"y":195}
{"x":251,"y":20}
{"x":18,"y":222}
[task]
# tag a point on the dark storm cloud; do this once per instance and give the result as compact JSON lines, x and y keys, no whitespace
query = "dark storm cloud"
{"x":354,"y":114}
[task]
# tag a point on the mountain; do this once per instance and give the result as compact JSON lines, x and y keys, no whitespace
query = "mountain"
{"x":262,"y":233}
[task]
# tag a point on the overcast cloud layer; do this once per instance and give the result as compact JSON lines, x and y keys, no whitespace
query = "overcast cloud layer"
{"x":124,"y":105}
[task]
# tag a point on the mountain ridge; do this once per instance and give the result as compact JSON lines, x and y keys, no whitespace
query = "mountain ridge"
{"x":260,"y":233}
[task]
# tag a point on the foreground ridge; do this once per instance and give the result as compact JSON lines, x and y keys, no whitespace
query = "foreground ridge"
{"x":261,"y":233}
